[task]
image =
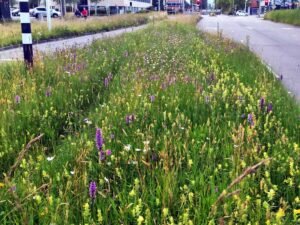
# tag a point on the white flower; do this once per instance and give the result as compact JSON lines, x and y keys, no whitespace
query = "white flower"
{"x":138,"y":149}
{"x":87,"y":121}
{"x":127,"y":147}
{"x":133,"y":162}
{"x":50,"y":158}
{"x":72,"y":172}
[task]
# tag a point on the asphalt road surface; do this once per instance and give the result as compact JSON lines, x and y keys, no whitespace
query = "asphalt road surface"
{"x":277,"y":44}
{"x":52,"y":46}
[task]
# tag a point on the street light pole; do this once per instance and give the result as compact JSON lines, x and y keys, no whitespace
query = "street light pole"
{"x":48,"y":15}
{"x":63,"y":8}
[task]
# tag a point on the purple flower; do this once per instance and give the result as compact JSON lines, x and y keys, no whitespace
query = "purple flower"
{"x":93,"y":190}
{"x":74,"y":56}
{"x":13,"y":188}
{"x":129,"y":118}
{"x":262,"y":103}
{"x":48,"y":92}
{"x":250,"y":119}
{"x":18,"y":99}
{"x":108,"y":152}
{"x":163,"y":86}
{"x":106,"y":81}
{"x":110,"y":76}
{"x":152,"y":98}
{"x":101,"y":155}
{"x":270,"y":107}
{"x":154,"y":157}
{"x":99,"y":139}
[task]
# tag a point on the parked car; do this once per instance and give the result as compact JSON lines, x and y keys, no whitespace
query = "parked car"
{"x":15,"y":12}
{"x":41,"y":11}
{"x":30,"y":12}
{"x":241,"y":13}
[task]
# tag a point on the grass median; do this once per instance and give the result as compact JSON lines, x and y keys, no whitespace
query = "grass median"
{"x":72,"y":26}
{"x":162,"y":126}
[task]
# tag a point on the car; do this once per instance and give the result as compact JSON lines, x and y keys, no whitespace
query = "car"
{"x":241,"y":13}
{"x":15,"y":12}
{"x":41,"y":11}
{"x":212,"y":13}
{"x":31,"y":12}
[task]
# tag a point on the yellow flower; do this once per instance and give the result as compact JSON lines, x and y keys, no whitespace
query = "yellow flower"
{"x":271,"y":194}
{"x":1,"y":185}
{"x":280,"y":214}
{"x":38,"y":199}
{"x":132,"y":193}
{"x":165,"y":212}
{"x":296,"y":211}
{"x":140,"y":220}
{"x":100,"y":218}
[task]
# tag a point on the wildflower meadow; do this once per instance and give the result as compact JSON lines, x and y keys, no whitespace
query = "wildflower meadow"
{"x":166,"y":125}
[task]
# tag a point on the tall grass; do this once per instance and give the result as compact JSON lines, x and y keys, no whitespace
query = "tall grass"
{"x":11,"y":32}
{"x":182,"y":116}
{"x":285,"y":16}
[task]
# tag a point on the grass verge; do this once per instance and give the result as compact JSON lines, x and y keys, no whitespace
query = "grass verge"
{"x":190,"y":134}
{"x":285,"y":16}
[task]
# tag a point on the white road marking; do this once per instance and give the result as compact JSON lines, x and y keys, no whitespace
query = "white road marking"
{"x":286,"y":28}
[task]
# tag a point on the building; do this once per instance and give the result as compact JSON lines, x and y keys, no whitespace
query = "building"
{"x":210,"y":4}
{"x":4,"y":10}
{"x":158,"y":5}
{"x":119,"y":6}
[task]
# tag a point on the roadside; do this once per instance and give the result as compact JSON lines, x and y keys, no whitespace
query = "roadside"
{"x":49,"y":47}
{"x":276,"y":44}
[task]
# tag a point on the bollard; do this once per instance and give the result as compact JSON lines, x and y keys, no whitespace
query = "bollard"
{"x":248,"y":41}
{"x":26,"y":32}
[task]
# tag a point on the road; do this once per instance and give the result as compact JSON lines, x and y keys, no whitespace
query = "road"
{"x":50,"y":47}
{"x":277,"y":44}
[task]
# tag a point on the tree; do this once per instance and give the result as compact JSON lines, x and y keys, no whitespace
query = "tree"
{"x":225,"y":5}
{"x":13,"y":2}
{"x":34,"y":3}
{"x":228,"y":5}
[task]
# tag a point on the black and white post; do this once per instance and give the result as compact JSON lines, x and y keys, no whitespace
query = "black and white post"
{"x":26,"y":32}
